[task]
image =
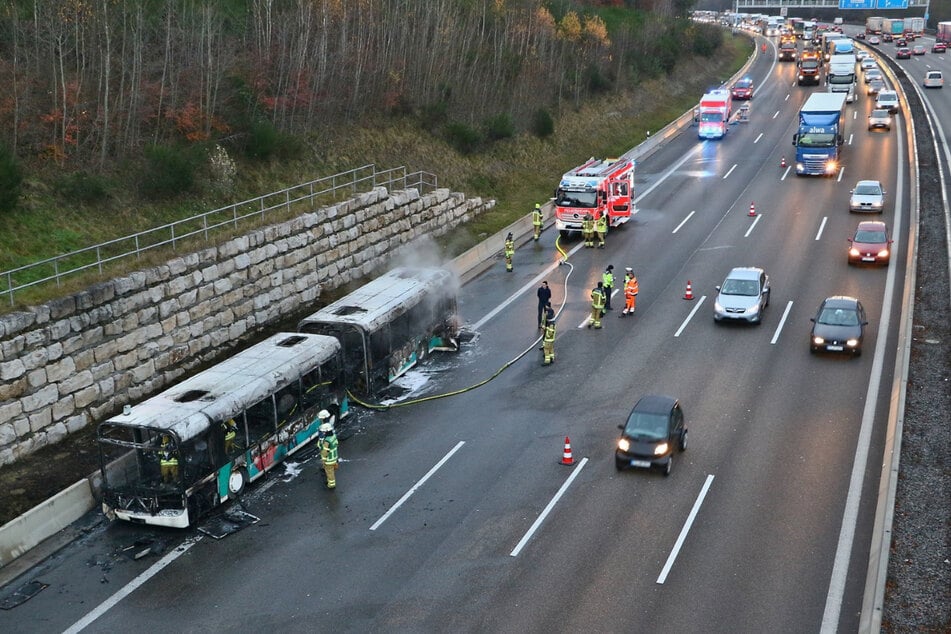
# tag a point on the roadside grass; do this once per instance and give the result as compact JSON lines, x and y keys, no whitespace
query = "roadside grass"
{"x":517,"y":172}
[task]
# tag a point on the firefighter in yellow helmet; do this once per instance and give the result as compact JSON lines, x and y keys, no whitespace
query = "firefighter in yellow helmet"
{"x":601,"y":228}
{"x":509,"y":251}
{"x":168,"y":461}
{"x":231,"y":433}
{"x":537,"y":219}
{"x":328,"y":448}
{"x":587,"y":230}
{"x":597,"y":306}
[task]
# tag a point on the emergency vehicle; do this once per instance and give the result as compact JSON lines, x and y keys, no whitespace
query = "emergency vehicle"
{"x":599,"y":186}
{"x":713,"y":114}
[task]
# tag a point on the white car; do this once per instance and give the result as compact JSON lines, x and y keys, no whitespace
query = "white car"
{"x":867,"y":196}
{"x":868,"y":63}
{"x":879,"y":119}
{"x":933,"y":79}
{"x":887,"y":99}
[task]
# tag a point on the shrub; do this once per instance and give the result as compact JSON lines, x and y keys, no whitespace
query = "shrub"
{"x":11,"y":180}
{"x":168,"y":171}
{"x":83,"y":188}
{"x":265,"y":142}
{"x":543,"y":125}
{"x":499,"y":127}
{"x":465,"y":139}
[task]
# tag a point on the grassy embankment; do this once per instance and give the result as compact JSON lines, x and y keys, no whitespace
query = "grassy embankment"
{"x":517,"y":172}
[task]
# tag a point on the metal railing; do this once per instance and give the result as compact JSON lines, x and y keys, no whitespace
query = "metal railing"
{"x":828,"y":4}
{"x":205,"y":225}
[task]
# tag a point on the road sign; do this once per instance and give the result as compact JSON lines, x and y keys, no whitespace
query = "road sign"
{"x":784,"y":11}
{"x":892,"y":4}
{"x":859,"y":4}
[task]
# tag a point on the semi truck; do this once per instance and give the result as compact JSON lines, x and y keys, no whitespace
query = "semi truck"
{"x":914,"y":25}
{"x":713,"y":114}
{"x":819,"y":139}
{"x":873,"y":25}
{"x":894,"y":26}
{"x":596,"y":187}
{"x":944,"y":33}
{"x":827,"y":39}
{"x":841,"y":77}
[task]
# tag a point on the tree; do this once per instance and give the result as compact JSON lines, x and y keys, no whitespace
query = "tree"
{"x":11,"y":179}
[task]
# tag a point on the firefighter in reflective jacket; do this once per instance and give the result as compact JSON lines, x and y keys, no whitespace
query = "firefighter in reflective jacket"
{"x":630,"y":292}
{"x":231,"y":432}
{"x":601,"y":227}
{"x":548,"y":343}
{"x":537,"y":220}
{"x":597,"y":306}
{"x":607,"y":282}
{"x":587,"y":230}
{"x":509,"y":251}
{"x":168,"y":461}
{"x":328,"y":448}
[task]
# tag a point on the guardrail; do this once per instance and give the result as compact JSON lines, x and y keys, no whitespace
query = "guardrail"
{"x":204,"y":225}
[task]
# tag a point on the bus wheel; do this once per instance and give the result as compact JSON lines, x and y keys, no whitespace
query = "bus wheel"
{"x":236,"y":481}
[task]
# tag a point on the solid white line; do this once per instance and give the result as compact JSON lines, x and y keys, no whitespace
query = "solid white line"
{"x":752,"y":226}
{"x":822,"y":226}
{"x":786,"y":173}
{"x":758,"y":138}
{"x":689,"y":317}
{"x":130,"y":587}
{"x":776,"y":115}
{"x":686,"y":529}
{"x":782,"y":322}
{"x":684,"y":221}
{"x":730,"y":171}
{"x":420,"y":483}
{"x":541,"y":518}
{"x":530,"y":284}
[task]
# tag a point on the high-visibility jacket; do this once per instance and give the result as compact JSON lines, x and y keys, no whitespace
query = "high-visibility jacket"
{"x":602,"y":223}
{"x":509,"y":248}
{"x":587,"y":225}
{"x":549,"y":332}
{"x":630,"y":287}
{"x":328,"y":449}
{"x":607,"y":279}
{"x":537,"y":216}
{"x":597,"y":298}
{"x":168,"y":459}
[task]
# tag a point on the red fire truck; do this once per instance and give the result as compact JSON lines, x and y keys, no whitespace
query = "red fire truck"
{"x":600,"y":186}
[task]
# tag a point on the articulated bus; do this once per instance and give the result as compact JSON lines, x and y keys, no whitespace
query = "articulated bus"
{"x":171,"y":458}
{"x":390,"y":324}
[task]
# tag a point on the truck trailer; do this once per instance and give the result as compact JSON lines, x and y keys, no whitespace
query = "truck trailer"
{"x":873,"y":25}
{"x":944,"y":33}
{"x":819,"y":139}
{"x":894,"y":26}
{"x":915,"y":25}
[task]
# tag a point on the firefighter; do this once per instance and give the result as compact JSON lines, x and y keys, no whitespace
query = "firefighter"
{"x":537,"y":219}
{"x":509,"y":251}
{"x":231,"y":432}
{"x":168,"y":461}
{"x":630,"y":292}
{"x":587,"y":230}
{"x":597,"y":306}
{"x":548,"y":343}
{"x":607,"y":281}
{"x":328,"y":448}
{"x":601,"y":227}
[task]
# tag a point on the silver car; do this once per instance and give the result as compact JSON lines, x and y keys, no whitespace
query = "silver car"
{"x":743,"y":296}
{"x":867,"y":196}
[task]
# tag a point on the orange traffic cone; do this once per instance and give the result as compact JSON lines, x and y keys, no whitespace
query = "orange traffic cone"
{"x":782,"y":163}
{"x":566,"y":457}
{"x":688,"y":294}
{"x":752,"y":210}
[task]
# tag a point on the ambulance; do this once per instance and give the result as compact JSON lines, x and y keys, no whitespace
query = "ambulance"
{"x":713,"y":114}
{"x":598,"y":187}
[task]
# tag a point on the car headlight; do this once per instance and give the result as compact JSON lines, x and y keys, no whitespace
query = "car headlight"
{"x":624,"y":444}
{"x":818,"y":341}
{"x":661,"y":449}
{"x":753,"y":309}
{"x":883,"y":253}
{"x":717,"y":307}
{"x":854,"y":251}
{"x":852,"y":343}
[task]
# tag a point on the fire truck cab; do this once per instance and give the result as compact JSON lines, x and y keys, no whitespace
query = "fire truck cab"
{"x":600,"y":186}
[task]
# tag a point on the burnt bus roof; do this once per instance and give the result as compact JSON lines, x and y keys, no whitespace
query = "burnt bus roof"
{"x":225,"y":390}
{"x":388,"y":296}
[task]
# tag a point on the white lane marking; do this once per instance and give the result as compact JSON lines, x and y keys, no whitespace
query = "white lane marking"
{"x":760,"y":136}
{"x":841,"y":174}
{"x":686,"y":529}
{"x":782,"y":322}
{"x":850,"y":139}
{"x":822,"y":226}
{"x":776,"y":115}
{"x":690,"y":316}
{"x":585,"y":322}
{"x":130,"y":587}
{"x":684,"y":221}
{"x":850,"y":514}
{"x":541,"y":518}
{"x":854,"y":117}
{"x":730,"y":171}
{"x":752,"y":226}
{"x":676,"y":166}
{"x":786,"y":173}
{"x":787,"y":94}
{"x":529,"y":285}
{"x":418,"y":484}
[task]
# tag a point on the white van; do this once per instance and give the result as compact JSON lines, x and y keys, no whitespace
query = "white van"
{"x":933,"y":79}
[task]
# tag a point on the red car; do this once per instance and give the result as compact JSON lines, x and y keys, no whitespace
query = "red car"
{"x":870,"y":243}
{"x":743,"y":89}
{"x":903,"y":53}
{"x":939,"y":47}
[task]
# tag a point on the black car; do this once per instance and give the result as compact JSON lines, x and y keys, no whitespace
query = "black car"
{"x":654,"y":429}
{"x":839,"y":326}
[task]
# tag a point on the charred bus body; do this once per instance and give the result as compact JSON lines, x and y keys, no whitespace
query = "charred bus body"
{"x":171,"y":458}
{"x":390,"y":324}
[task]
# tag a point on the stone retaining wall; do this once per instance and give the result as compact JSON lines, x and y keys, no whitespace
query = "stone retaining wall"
{"x":76,"y":360}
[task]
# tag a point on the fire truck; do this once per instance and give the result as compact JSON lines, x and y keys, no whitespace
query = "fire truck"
{"x":599,"y":186}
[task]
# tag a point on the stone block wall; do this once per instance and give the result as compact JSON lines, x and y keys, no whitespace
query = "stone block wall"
{"x":77,"y":360}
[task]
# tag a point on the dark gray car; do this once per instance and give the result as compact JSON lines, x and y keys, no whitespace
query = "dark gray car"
{"x":839,"y":325}
{"x":654,"y":429}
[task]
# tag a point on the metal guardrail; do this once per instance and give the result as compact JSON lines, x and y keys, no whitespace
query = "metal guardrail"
{"x":206,"y":224}
{"x":823,"y":4}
